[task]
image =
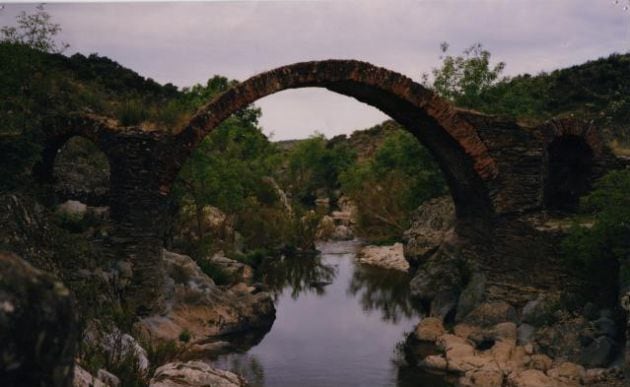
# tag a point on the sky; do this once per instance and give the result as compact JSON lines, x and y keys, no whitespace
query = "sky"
{"x":187,"y":43}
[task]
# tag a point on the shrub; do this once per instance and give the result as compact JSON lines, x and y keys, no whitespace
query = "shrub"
{"x":595,"y":250}
{"x":132,"y":112}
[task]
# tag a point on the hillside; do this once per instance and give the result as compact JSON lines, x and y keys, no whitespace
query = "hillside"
{"x":597,"y":90}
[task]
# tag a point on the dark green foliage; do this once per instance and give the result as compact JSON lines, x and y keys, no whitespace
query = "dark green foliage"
{"x":184,"y":336}
{"x":386,"y":188}
{"x":34,"y":30}
{"x":132,"y":112}
{"x":597,"y":250}
{"x":315,"y":164}
{"x":594,"y":90}
{"x":235,"y":169}
{"x":218,"y":275}
{"x":462,"y":79}
{"x":609,"y":204}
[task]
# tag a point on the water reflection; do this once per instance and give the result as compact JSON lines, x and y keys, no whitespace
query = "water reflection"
{"x":301,"y":274}
{"x":337,"y":324}
{"x":384,"y":290}
{"x":246,"y":365}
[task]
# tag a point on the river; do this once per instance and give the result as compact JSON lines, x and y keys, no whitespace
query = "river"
{"x":338,"y":323}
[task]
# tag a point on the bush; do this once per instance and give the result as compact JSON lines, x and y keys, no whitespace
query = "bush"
{"x":218,"y":275}
{"x":596,"y":250}
{"x":400,"y":176}
{"x":132,"y":112}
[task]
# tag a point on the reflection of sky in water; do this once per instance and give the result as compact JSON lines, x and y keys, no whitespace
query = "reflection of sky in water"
{"x":336,"y":338}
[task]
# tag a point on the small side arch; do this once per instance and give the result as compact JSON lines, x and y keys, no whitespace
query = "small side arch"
{"x":62,"y":130}
{"x":574,"y":157}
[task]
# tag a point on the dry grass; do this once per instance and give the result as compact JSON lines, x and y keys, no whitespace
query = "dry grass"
{"x":619,"y":149}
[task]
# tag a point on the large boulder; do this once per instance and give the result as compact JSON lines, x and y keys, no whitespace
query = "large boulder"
{"x":237,"y":271}
{"x":197,"y":310}
{"x":388,"y":257}
{"x":429,"y":225}
{"x":25,"y":229}
{"x":440,"y":279}
{"x":491,"y":313}
{"x":38,"y":329}
{"x":194,"y":374}
{"x":72,"y":209}
{"x":429,"y":329}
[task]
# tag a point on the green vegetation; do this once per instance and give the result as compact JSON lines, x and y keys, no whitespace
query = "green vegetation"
{"x":596,"y":250}
{"x":387,"y":187}
{"x":464,"y":78}
{"x":34,"y":30}
{"x":596,"y":90}
{"x":314,"y":167}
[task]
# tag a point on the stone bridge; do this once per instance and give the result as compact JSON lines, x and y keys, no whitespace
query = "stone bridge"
{"x":494,"y":167}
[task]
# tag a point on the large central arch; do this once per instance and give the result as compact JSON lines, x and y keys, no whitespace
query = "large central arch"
{"x":455,"y":144}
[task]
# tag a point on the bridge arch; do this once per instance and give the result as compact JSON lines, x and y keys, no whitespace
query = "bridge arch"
{"x":574,"y":156}
{"x":453,"y":141}
{"x":60,"y":130}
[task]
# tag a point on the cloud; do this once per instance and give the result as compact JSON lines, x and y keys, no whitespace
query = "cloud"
{"x":186,"y":43}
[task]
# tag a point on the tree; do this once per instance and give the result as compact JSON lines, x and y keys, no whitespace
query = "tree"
{"x":315,"y":164}
{"x":601,"y":246}
{"x":462,"y":79}
{"x":36,"y":31}
{"x":386,"y":188}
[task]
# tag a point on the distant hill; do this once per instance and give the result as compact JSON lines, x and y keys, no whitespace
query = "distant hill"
{"x":598,"y":90}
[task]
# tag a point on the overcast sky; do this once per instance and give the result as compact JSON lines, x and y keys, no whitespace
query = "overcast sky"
{"x":186,"y":43}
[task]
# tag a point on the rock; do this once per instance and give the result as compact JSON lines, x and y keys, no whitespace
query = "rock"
{"x":605,"y":326}
{"x":196,"y":305}
{"x":38,"y":329}
{"x":435,"y":362}
{"x":108,"y":378}
{"x":429,"y":329}
{"x":194,"y":374}
{"x":485,"y":378}
{"x":489,"y":314}
{"x":455,"y":347}
{"x":564,"y":339}
{"x":471,"y":296}
{"x":124,"y":345}
{"x":599,"y":353}
{"x":73,"y":209}
{"x":124,"y":269}
{"x":541,"y":362}
{"x":82,"y":378}
{"x":347,"y":206}
{"x":342,"y":217}
{"x":539,"y":311}
{"x":506,"y":330}
{"x":443,"y":304}
{"x":567,"y":372}
{"x":325,"y":228}
{"x":342,"y":233}
{"x":388,"y":257}
{"x":525,"y":333}
{"x":464,"y":330}
{"x":26,"y":230}
{"x":116,"y":344}
{"x":529,"y":378}
{"x":238,"y":271}
{"x":443,"y":272}
{"x":429,"y":225}
{"x":595,"y":375}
